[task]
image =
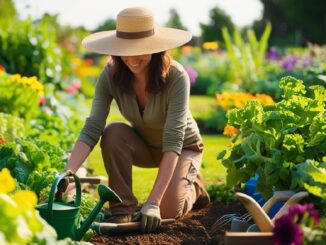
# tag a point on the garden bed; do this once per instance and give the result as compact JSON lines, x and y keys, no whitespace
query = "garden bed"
{"x":194,"y":228}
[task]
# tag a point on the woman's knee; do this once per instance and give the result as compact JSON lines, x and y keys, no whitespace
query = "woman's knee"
{"x":174,"y":204}
{"x":112,"y":133}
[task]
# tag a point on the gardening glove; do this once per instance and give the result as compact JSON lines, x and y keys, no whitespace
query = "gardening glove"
{"x":151,"y":217}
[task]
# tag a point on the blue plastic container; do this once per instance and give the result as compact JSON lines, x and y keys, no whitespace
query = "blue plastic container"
{"x":250,"y":190}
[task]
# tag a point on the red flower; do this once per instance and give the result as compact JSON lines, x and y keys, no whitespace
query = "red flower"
{"x":88,"y":62}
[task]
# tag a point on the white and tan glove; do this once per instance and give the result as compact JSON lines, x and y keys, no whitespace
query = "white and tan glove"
{"x":151,"y":217}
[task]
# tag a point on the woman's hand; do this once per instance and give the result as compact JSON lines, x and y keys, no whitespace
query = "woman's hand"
{"x":151,"y":217}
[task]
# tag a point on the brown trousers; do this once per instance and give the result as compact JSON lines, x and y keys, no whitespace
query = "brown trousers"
{"x":122,"y":147}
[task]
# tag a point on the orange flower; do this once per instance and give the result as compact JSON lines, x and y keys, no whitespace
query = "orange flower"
{"x":2,"y":141}
{"x":186,"y":49}
{"x":229,"y":130}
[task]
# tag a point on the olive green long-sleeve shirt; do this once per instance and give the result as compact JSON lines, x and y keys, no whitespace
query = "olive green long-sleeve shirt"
{"x":166,"y":121}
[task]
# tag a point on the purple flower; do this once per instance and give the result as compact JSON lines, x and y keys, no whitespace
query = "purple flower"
{"x":192,"y":73}
{"x":307,"y":61}
{"x":273,"y":54}
{"x":290,"y":62}
{"x":300,"y":210}
{"x":286,"y":232}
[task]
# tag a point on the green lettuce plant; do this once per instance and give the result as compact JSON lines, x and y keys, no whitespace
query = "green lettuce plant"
{"x":273,"y":140}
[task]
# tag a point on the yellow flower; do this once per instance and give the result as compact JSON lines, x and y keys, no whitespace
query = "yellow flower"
{"x":210,"y":45}
{"x":7,"y":183}
{"x":15,"y":78}
{"x":25,"y":199}
{"x":229,"y":130}
{"x":265,"y":99}
{"x":30,"y":82}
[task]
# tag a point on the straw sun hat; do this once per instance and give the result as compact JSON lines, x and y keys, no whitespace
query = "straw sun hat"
{"x":135,"y":34}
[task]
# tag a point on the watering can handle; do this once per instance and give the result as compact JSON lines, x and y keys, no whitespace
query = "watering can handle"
{"x":54,"y":187}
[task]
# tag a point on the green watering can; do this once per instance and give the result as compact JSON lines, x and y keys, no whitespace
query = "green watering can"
{"x":65,"y":217}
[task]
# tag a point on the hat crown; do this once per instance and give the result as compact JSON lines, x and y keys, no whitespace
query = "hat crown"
{"x":135,"y":19}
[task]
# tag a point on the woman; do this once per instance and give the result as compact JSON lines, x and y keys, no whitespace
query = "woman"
{"x":152,"y":93}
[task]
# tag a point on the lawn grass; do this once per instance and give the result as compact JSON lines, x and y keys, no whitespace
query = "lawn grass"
{"x":143,"y":179}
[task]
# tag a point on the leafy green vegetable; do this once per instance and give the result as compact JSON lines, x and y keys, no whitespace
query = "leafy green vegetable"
{"x":273,"y":140}
{"x":33,"y":163}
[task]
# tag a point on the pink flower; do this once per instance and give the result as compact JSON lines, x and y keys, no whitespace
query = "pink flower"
{"x":192,"y":73}
{"x":42,"y":100}
{"x":286,"y":232}
{"x":71,"y":90}
{"x":299,"y":210}
{"x":76,"y":84}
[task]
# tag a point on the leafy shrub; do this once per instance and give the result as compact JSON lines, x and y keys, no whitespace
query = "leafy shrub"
{"x":58,"y":123}
{"x":20,"y":96}
{"x":11,"y":127}
{"x":274,"y":139}
{"x":222,"y":193}
{"x":30,"y":49}
{"x":20,"y":223}
{"x":230,"y":100}
{"x":33,"y":164}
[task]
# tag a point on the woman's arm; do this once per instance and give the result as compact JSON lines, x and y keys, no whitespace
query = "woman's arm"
{"x":165,"y":172}
{"x":151,"y":217}
{"x":78,"y":155}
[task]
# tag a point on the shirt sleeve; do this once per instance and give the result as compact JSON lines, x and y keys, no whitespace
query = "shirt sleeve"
{"x":95,"y":123}
{"x":177,"y":109}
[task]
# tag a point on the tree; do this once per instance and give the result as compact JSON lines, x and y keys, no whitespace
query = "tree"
{"x":107,"y":25}
{"x":175,"y":20}
{"x":212,"y":30}
{"x":7,"y":11}
{"x":295,"y":22}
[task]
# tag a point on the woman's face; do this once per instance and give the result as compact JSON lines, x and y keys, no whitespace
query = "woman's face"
{"x":137,"y":64}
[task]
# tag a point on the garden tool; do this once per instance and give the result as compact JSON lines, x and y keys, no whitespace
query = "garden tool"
{"x":262,"y":220}
{"x":113,"y":228}
{"x":242,"y":222}
{"x":65,"y":217}
{"x":90,"y":179}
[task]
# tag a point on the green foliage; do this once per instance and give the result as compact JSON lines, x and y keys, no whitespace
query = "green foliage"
{"x":107,"y":25}
{"x":16,"y":97}
{"x":58,"y":123}
{"x":295,"y":21}
{"x":222,"y":193}
{"x":272,"y":140}
{"x":175,"y":20}
{"x":11,"y":127}
{"x":30,"y":49}
{"x":218,"y":19}
{"x":8,"y":12}
{"x":32,"y":163}
{"x":247,"y":58}
{"x":311,"y":175}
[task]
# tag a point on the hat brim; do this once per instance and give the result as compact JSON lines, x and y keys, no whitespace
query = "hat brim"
{"x":164,"y":38}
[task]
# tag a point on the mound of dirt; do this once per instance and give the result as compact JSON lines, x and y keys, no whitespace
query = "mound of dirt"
{"x":194,"y":228}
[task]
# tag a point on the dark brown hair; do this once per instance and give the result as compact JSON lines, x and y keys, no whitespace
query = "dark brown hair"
{"x":158,"y":70}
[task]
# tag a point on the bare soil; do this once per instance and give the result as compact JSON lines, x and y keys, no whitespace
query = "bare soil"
{"x":194,"y":228}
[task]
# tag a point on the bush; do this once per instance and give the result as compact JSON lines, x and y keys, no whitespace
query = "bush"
{"x":30,"y":49}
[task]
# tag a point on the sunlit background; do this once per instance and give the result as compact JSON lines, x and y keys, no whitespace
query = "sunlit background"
{"x":92,"y":13}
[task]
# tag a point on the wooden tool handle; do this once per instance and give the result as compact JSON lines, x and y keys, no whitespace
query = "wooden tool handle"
{"x":110,"y":228}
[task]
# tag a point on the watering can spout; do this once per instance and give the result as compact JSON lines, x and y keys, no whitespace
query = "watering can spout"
{"x":106,"y":194}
